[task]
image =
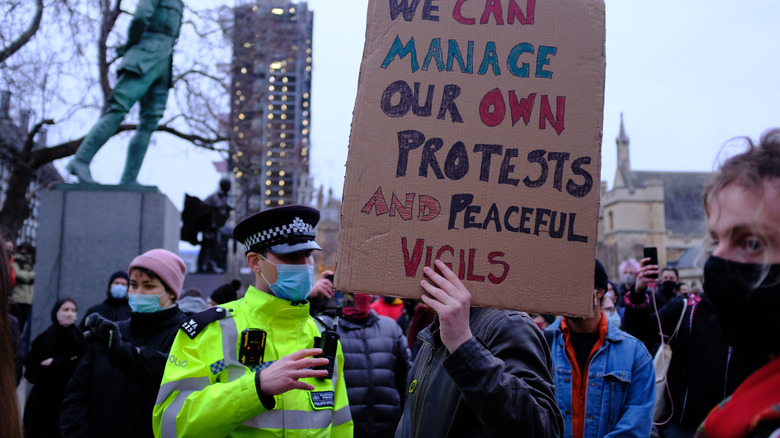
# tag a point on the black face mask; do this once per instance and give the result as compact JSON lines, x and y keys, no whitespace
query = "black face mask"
{"x":668,"y":288}
{"x":746,"y":298}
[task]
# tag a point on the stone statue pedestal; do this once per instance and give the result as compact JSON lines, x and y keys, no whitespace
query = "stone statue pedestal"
{"x":86,"y":232}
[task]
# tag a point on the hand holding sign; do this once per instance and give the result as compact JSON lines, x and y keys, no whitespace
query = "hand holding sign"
{"x":451,"y":301}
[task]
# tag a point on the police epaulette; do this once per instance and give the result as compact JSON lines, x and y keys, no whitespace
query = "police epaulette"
{"x":197,"y":322}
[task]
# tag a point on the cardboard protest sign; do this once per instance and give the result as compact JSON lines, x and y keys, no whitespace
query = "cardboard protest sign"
{"x":476,"y":139}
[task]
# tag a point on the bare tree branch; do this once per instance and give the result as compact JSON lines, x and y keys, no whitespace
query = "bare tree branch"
{"x":109,"y":15}
{"x":40,"y":157}
{"x":26,"y":36}
{"x":63,"y":72}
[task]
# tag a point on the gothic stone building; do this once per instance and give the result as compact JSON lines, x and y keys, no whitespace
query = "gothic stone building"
{"x":652,"y":208}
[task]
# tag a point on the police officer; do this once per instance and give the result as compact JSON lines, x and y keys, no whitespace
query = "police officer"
{"x":145,"y":76}
{"x":247,"y":367}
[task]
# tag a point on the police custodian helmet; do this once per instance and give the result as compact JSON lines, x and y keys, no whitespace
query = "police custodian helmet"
{"x":280,"y":230}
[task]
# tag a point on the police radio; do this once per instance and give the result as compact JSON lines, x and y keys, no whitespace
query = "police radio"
{"x":328,"y":342}
{"x":252,"y":347}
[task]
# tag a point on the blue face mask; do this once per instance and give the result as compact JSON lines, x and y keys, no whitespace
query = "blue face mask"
{"x":140,"y":303}
{"x":293,"y":282}
{"x":118,"y":291}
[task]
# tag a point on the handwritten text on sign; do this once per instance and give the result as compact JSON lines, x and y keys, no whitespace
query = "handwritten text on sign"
{"x":495,"y":163}
{"x":475,"y":140}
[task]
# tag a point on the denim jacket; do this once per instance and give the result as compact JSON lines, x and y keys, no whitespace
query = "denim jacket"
{"x":620,"y":390}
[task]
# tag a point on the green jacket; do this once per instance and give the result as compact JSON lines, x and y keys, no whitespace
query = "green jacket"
{"x":205,"y":391}
{"x":153,"y":32}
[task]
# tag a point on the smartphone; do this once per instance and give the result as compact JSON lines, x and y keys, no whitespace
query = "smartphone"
{"x":328,"y":343}
{"x":337,"y":295}
{"x":652,"y":253}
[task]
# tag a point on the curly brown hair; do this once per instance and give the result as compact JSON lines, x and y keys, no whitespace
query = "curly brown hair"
{"x":749,"y":168}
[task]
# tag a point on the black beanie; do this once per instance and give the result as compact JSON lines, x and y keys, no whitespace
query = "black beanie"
{"x":601,"y":279}
{"x":223,"y":294}
{"x":118,"y":274}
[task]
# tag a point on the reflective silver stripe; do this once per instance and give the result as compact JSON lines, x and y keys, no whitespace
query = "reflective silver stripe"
{"x":229,"y":342}
{"x":235,"y":369}
{"x":168,"y":422}
{"x":189,"y":384}
{"x":341,"y":416}
{"x":278,"y":419}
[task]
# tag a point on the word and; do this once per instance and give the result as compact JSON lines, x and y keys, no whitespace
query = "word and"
{"x":428,"y":206}
{"x":466,"y":263}
{"x":457,"y":164}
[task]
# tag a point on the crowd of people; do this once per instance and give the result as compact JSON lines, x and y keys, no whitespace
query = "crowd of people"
{"x":292,"y":356}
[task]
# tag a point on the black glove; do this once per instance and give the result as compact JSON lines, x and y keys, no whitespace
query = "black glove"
{"x":102,"y":333}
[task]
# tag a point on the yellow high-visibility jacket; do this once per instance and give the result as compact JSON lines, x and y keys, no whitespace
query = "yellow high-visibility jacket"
{"x":207,"y":392}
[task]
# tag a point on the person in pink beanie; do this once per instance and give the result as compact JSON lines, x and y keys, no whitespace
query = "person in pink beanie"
{"x":114,"y":388}
{"x":157,"y":273}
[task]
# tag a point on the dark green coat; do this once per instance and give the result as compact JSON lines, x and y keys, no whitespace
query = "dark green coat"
{"x":152,"y":34}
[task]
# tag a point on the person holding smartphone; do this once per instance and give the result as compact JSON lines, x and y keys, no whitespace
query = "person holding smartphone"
{"x":323,"y":296}
{"x":662,"y":283}
{"x":704,"y":368}
{"x":255,"y":366}
{"x":716,"y":348}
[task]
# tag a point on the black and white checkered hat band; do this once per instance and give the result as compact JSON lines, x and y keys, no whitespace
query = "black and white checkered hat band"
{"x":274,"y":235}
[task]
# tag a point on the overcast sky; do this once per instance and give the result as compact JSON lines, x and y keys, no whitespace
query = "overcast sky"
{"x":687,"y":75}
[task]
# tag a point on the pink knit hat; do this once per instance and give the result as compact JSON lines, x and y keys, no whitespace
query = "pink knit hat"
{"x":167,"y":265}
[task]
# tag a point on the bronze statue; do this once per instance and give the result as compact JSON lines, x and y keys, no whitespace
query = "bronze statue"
{"x":144,"y":77}
{"x":203,"y":223}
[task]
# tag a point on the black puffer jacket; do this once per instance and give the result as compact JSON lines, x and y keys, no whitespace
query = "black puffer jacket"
{"x":114,"y":398}
{"x":376,"y":363}
{"x":496,"y":384}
